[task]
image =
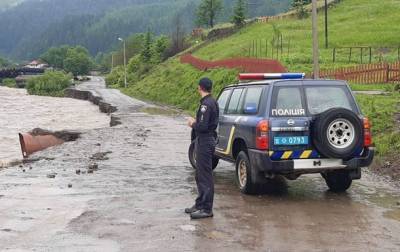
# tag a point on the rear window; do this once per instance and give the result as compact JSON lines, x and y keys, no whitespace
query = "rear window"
{"x":320,"y":99}
{"x":287,"y":102}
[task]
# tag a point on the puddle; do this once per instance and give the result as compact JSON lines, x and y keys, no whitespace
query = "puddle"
{"x":160,"y":111}
{"x":393,"y":214}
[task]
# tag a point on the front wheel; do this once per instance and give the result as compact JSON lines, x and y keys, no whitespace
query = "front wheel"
{"x":192,"y":156}
{"x":338,"y":181}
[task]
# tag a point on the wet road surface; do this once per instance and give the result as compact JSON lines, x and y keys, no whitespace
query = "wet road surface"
{"x":135,"y":200}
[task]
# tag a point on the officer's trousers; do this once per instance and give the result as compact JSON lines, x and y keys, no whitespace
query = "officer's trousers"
{"x":205,"y":147}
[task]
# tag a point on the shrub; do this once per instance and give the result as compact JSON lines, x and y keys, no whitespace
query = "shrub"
{"x":9,"y":83}
{"x":52,"y":83}
{"x":116,"y":77}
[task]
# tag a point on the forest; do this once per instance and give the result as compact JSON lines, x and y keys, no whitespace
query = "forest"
{"x":33,"y":26}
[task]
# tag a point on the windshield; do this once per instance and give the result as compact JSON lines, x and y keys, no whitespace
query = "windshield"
{"x":320,"y":99}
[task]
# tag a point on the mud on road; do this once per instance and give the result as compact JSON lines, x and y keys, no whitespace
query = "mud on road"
{"x":134,"y":199}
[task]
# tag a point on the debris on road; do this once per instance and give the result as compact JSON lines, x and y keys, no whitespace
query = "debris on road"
{"x":39,"y":139}
{"x":100,"y":155}
{"x":92,"y":167}
{"x":51,"y":175}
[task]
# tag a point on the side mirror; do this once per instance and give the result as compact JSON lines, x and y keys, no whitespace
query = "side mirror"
{"x":250,"y":108}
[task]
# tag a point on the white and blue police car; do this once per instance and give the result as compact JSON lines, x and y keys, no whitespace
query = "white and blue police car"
{"x":283,"y":124}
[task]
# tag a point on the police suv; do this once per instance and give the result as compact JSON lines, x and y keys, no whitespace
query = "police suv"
{"x":283,"y":124}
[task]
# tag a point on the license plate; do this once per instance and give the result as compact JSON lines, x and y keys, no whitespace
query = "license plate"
{"x":291,"y":140}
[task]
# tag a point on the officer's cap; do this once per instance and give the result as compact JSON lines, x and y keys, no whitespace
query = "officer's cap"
{"x":206,"y":84}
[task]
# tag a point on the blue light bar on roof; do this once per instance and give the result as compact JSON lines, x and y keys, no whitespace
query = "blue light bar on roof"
{"x":270,"y":76}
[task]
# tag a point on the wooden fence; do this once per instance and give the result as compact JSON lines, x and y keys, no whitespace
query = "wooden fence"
{"x":366,"y":74}
{"x":249,"y":65}
{"x":365,"y":54}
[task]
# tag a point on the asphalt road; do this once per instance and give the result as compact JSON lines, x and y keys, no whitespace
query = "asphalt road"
{"x":135,"y":200}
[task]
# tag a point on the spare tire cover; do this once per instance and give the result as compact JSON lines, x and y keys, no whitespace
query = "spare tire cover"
{"x":338,"y":133}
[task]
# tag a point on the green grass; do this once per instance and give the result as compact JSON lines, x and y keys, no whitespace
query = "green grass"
{"x":369,"y":87}
{"x":380,"y":109}
{"x":351,"y":23}
{"x":9,"y":83}
{"x":176,"y":84}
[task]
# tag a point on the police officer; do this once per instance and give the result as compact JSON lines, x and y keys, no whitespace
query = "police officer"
{"x":205,"y":126}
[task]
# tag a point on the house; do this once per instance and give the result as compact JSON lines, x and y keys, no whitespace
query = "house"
{"x":37,"y":64}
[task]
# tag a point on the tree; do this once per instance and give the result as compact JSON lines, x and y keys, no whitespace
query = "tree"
{"x":55,"y":56}
{"x":4,"y":63}
{"x":207,"y":12}
{"x":77,"y":62}
{"x":239,"y":13}
{"x":159,"y":49}
{"x":177,"y":35}
{"x":299,"y":6}
{"x":146,"y":53}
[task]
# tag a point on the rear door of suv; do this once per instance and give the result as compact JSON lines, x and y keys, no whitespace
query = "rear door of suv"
{"x":293,"y":106}
{"x":289,"y":122}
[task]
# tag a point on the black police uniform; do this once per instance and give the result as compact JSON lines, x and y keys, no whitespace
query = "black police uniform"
{"x":205,"y":129}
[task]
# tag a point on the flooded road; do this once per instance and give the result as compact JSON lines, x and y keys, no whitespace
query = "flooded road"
{"x":134,"y":201}
{"x":20,"y":112}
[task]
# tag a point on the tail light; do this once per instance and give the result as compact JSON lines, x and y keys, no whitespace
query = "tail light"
{"x":262,"y":140}
{"x":367,"y":133}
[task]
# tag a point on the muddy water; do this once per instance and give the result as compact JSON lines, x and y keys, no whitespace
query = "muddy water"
{"x":20,"y":112}
{"x":135,"y":201}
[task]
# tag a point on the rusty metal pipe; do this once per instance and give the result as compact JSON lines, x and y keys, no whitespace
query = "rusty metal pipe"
{"x":31,"y":144}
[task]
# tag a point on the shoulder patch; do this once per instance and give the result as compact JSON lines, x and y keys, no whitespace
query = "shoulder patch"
{"x":203,"y":108}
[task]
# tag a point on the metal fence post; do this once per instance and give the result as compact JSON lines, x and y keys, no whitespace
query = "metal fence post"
{"x":334,"y":54}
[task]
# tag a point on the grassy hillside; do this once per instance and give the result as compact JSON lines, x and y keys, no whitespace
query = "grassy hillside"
{"x":176,"y":84}
{"x":352,"y":23}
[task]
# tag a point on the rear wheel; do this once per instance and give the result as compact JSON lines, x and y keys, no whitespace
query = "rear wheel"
{"x":338,"y":181}
{"x":247,"y":178}
{"x":192,"y":156}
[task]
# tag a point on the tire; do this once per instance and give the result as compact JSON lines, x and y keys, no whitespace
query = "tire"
{"x":338,"y":181}
{"x":192,"y":156}
{"x":337,"y":133}
{"x":247,"y":178}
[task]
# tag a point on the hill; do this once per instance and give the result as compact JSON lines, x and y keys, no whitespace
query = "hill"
{"x":96,"y":24}
{"x":352,"y":23}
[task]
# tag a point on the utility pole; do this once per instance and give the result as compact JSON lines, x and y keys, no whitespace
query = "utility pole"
{"x":315,"y":39}
{"x":122,"y":40}
{"x":326,"y":24}
{"x":112,"y":61}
